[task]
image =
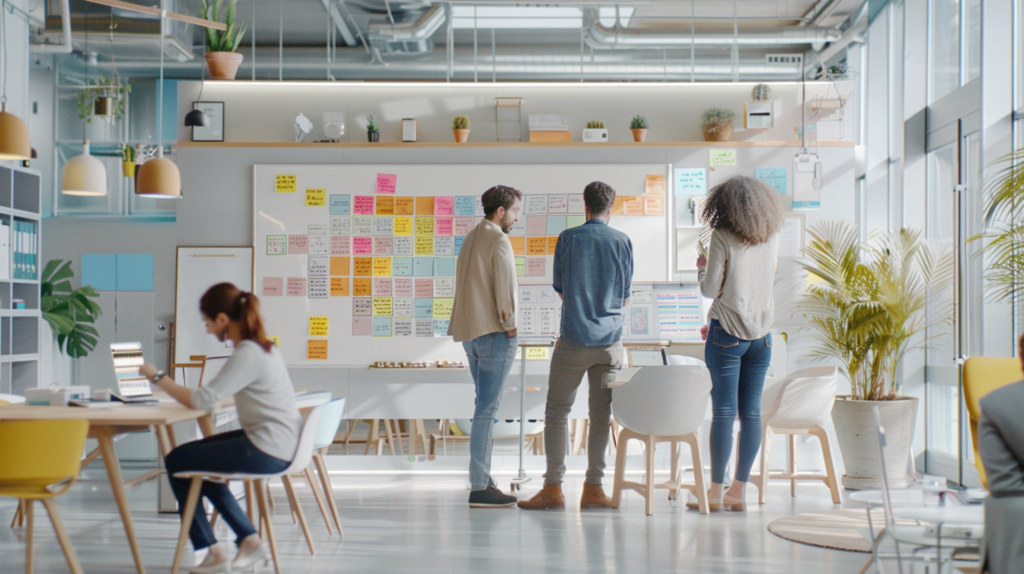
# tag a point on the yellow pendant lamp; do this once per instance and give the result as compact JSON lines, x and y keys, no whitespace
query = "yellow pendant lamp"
{"x":14,"y":142}
{"x":84,"y":175}
{"x":159,"y":177}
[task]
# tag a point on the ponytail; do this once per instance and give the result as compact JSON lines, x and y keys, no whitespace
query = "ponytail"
{"x":240,"y":307}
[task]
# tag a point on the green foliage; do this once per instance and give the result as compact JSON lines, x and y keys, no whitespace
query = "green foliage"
{"x":866,"y":301}
{"x":460,"y":123}
{"x":638,"y":123}
{"x":226,"y":40}
{"x":372,"y":125}
{"x":106,"y":87}
{"x":127,"y":153}
{"x":595,"y":125}
{"x":715,"y":115}
{"x":70,"y":313}
{"x":1003,"y":238}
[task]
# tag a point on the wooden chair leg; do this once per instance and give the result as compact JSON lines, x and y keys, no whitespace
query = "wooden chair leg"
{"x":294,"y":499}
{"x":249,"y":502}
{"x":261,"y":499}
{"x":325,"y":479}
{"x":673,"y":493}
{"x":698,"y":473}
{"x":792,"y":464}
{"x":62,"y":536}
{"x":766,"y":455}
{"x":391,"y":437}
{"x":319,"y":497}
{"x":620,"y":468}
{"x":187,"y":514}
{"x":270,"y":496}
{"x":19,"y":515}
{"x":30,"y":532}
{"x":372,"y":437}
{"x":649,"y":478}
{"x":830,"y":471}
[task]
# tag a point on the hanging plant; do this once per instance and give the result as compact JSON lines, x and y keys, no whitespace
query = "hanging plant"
{"x":104,"y":87}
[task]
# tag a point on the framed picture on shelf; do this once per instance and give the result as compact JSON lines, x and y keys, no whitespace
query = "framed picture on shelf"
{"x":215,"y":131}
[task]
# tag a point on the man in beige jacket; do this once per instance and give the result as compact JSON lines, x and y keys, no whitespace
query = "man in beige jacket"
{"x":484,"y":321}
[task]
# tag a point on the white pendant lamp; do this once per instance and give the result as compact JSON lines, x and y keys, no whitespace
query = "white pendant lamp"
{"x":159,"y":177}
{"x":84,"y":175}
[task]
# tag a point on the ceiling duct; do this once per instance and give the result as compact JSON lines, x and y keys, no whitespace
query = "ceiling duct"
{"x":410,"y":36}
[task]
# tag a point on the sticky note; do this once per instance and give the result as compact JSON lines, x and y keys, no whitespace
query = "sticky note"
{"x":721,"y":157}
{"x":363,"y":205}
{"x":362,"y":245}
{"x":401,"y":266}
{"x":464,"y":205}
{"x":654,"y":205}
{"x":425,"y":205}
{"x":316,"y":197}
{"x":535,"y":204}
{"x":576,"y":204}
{"x":386,"y":182}
{"x":537,"y":353}
{"x":425,"y":226}
{"x":286,"y":184}
{"x":403,"y":247}
{"x":319,"y":288}
{"x":383,"y":245}
{"x":424,"y":245}
{"x":273,"y":286}
{"x":339,"y":287}
{"x":552,"y":244}
{"x":341,"y":204}
{"x":444,"y":205}
{"x":318,"y":267}
{"x":556,"y":224}
{"x":441,"y":327}
{"x":296,"y":287}
{"x":318,"y":326}
{"x":617,"y":206}
{"x":402,"y":226}
{"x":520,"y":266}
{"x":341,"y":245}
{"x":423,"y":308}
{"x":444,"y":246}
{"x":362,"y":326}
{"x":362,"y":225}
{"x":317,"y":229}
{"x":277,"y":245}
{"x":275,"y":340}
{"x":536,"y":245}
{"x":402,"y":307}
{"x":341,"y":225}
{"x":318,"y":244}
{"x":444,"y":267}
{"x":362,"y":286}
{"x":403,"y":287}
{"x":654,"y":185}
{"x":316,"y":350}
{"x":444,"y":287}
{"x":381,"y":327}
{"x":382,"y":287}
{"x":424,"y":327}
{"x":298,"y":244}
{"x":536,"y":225}
{"x":362,"y":306}
{"x":423,"y":266}
{"x":405,"y":206}
{"x":463,"y":225}
{"x":773,"y":176}
{"x":382,"y":306}
{"x":478,"y":206}
{"x":458,"y":244}
{"x":518,"y":245}
{"x":689,"y":181}
{"x":558,"y":204}
{"x":382,"y":267}
{"x":519,"y":227}
{"x":443,"y":308}
{"x":575,"y":221}
{"x":633,"y":205}
{"x":401,"y":328}
{"x":535,"y":266}
{"x":385,"y":205}
{"x":443,"y":226}
{"x":363,"y":267}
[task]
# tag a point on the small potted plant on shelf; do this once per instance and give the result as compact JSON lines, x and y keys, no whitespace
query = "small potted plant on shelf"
{"x":128,"y":160}
{"x":372,"y":129}
{"x":595,"y":132}
{"x":638,"y":125}
{"x":104,"y":98}
{"x":222,"y":45}
{"x":460,"y":127}
{"x":716,"y":124}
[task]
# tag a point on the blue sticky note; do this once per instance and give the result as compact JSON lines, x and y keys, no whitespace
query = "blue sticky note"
{"x":441,"y":327}
{"x":100,"y":271}
{"x":134,"y":271}
{"x":423,"y":266}
{"x":444,"y":267}
{"x":341,"y":204}
{"x":458,"y":245}
{"x":464,"y":205}
{"x":423,"y":308}
{"x":382,"y":326}
{"x":773,"y":176}
{"x":401,"y":266}
{"x":556,"y":224}
{"x":690,"y":181}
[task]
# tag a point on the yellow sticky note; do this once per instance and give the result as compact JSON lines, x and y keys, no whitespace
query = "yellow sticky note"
{"x":722,"y":157}
{"x":424,"y":245}
{"x":443,"y":308}
{"x":364,"y":267}
{"x":316,"y":197}
{"x":425,"y":226}
{"x":339,"y":287}
{"x":385,"y":204}
{"x":316,"y":350}
{"x":382,"y":307}
{"x":537,"y":353}
{"x":275,"y":339}
{"x":536,"y":245}
{"x":362,"y":286}
{"x":518,"y":244}
{"x":318,"y":326}
{"x":403,"y":226}
{"x":404,"y":205}
{"x":552,"y":243}
{"x":286,"y":184}
{"x":382,"y":267}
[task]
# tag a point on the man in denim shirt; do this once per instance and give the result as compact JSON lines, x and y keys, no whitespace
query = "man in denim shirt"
{"x":593,"y":271}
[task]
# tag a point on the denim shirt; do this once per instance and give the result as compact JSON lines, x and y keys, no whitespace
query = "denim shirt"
{"x":593,"y":272}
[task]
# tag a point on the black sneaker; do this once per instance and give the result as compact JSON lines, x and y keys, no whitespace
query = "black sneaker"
{"x":491,"y":497}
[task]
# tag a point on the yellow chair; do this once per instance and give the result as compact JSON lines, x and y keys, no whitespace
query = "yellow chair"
{"x":982,"y":375}
{"x":38,"y":461}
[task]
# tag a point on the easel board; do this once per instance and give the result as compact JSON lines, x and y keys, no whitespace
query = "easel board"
{"x":198,"y":269}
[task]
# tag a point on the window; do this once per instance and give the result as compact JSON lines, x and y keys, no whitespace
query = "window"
{"x":944,"y":48}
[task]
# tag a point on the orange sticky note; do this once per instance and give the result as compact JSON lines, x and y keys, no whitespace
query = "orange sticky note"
{"x":362,"y":286}
{"x":536,"y":245}
{"x":385,"y":204}
{"x":339,"y":287}
{"x":654,"y":205}
{"x":404,"y":205}
{"x":340,"y":267}
{"x":552,"y":243}
{"x":617,"y":206}
{"x":364,"y":267}
{"x":654,"y":185}
{"x":518,"y":244}
{"x":633,"y":205}
{"x":425,"y":205}
{"x":316,"y":350}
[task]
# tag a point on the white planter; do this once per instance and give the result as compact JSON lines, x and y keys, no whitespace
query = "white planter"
{"x":592,"y":136}
{"x":857,"y":434}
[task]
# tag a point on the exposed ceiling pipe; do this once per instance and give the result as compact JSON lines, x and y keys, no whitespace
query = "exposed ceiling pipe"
{"x":819,"y":12}
{"x":339,"y":22}
{"x":852,"y":34}
{"x":65,"y":46}
{"x":413,"y":31}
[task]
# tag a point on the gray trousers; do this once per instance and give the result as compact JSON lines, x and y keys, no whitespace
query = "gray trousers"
{"x":568,"y":364}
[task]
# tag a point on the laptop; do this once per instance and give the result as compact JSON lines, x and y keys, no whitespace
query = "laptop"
{"x":132,"y":386}
{"x":647,"y":357}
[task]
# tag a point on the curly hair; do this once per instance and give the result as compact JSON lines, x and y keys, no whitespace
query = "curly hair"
{"x":745,"y":206}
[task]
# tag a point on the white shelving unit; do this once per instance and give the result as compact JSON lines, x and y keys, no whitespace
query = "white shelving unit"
{"x":20,"y":329}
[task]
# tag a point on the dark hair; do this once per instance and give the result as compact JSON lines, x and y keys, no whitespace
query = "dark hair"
{"x":240,"y":307}
{"x":500,"y":196}
{"x":598,"y":197}
{"x":745,"y":206}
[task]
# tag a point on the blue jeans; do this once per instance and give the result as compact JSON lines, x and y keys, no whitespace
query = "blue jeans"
{"x":490,"y":359}
{"x":737,"y":370}
{"x":225,"y":453}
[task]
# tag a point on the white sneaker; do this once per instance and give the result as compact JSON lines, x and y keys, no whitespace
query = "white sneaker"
{"x":224,"y":566}
{"x":252,"y":559}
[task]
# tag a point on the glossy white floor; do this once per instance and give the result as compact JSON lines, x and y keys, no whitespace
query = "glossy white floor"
{"x":422,"y":524}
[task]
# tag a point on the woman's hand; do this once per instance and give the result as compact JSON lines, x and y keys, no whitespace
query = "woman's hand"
{"x":702,"y":261}
{"x":704,"y":333}
{"x":148,"y":370}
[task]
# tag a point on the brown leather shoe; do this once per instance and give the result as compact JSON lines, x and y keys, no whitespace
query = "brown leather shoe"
{"x":549,"y":498}
{"x":593,"y":497}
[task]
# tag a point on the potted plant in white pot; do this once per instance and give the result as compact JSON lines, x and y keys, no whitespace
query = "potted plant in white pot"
{"x":222,"y":55}
{"x":595,"y":132}
{"x":866,"y":305}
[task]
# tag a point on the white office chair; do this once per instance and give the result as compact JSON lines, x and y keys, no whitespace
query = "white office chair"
{"x":685,"y":360}
{"x":662,"y":404}
{"x":303,"y":456}
{"x":798,"y":404}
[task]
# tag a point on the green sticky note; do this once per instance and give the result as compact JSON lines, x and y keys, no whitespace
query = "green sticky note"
{"x":722,"y":157}
{"x":520,"y":266}
{"x":575,"y":221}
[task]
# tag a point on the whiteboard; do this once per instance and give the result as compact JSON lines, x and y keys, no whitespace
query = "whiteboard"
{"x":200,"y":268}
{"x":288,"y":318}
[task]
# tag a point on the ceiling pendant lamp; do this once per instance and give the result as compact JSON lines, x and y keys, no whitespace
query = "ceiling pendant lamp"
{"x":197,"y":118}
{"x":14,"y":141}
{"x":84,"y":175}
{"x":159,"y":177}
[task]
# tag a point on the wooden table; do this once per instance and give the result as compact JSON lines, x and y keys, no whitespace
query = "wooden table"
{"x":104,"y":425}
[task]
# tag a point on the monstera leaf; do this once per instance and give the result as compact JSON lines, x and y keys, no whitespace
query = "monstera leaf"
{"x":71,"y":313}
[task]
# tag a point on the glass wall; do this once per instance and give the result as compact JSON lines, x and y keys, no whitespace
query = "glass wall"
{"x":944,"y":48}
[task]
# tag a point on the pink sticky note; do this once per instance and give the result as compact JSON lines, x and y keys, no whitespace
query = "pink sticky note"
{"x":444,"y":206}
{"x":273,"y":286}
{"x":296,"y":286}
{"x":341,"y":245}
{"x":403,"y":287}
{"x":424,"y":288}
{"x":535,"y":266}
{"x":298,"y":244}
{"x":463,"y":225}
{"x":382,"y":287}
{"x":362,"y":326}
{"x":362,"y":245}
{"x":363,"y":205}
{"x":443,"y":226}
{"x":537,"y":225}
{"x":386,"y":182}
{"x":383,"y":245}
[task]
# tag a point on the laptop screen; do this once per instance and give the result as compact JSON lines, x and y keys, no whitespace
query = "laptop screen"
{"x":647,"y":357}
{"x":127,"y":361}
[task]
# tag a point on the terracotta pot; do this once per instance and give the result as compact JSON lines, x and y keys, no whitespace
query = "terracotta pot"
{"x":223,"y":65}
{"x":461,"y":136}
{"x":857,"y":434}
{"x":717,"y":131}
{"x":373,"y":137}
{"x":128,"y":168}
{"x":640,"y":135}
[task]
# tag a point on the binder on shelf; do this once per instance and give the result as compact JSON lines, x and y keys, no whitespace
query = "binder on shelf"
{"x":5,"y":251}
{"x":25,"y":241}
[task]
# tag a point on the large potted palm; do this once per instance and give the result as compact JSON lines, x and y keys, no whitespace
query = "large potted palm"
{"x":866,"y":303}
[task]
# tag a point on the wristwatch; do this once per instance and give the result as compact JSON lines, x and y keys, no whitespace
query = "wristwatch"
{"x":156,"y":378}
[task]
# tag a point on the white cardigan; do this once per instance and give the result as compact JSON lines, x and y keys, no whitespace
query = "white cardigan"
{"x":740,"y":278}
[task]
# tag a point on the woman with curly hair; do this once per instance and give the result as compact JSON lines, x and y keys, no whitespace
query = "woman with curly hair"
{"x":745,"y":216}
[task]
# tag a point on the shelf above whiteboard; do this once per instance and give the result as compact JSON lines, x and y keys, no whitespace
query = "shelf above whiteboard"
{"x":413,"y":145}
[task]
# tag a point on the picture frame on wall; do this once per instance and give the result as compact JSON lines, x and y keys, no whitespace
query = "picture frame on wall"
{"x":215,"y":131}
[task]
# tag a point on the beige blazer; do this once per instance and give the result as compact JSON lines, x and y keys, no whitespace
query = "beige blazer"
{"x":485,"y":285}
